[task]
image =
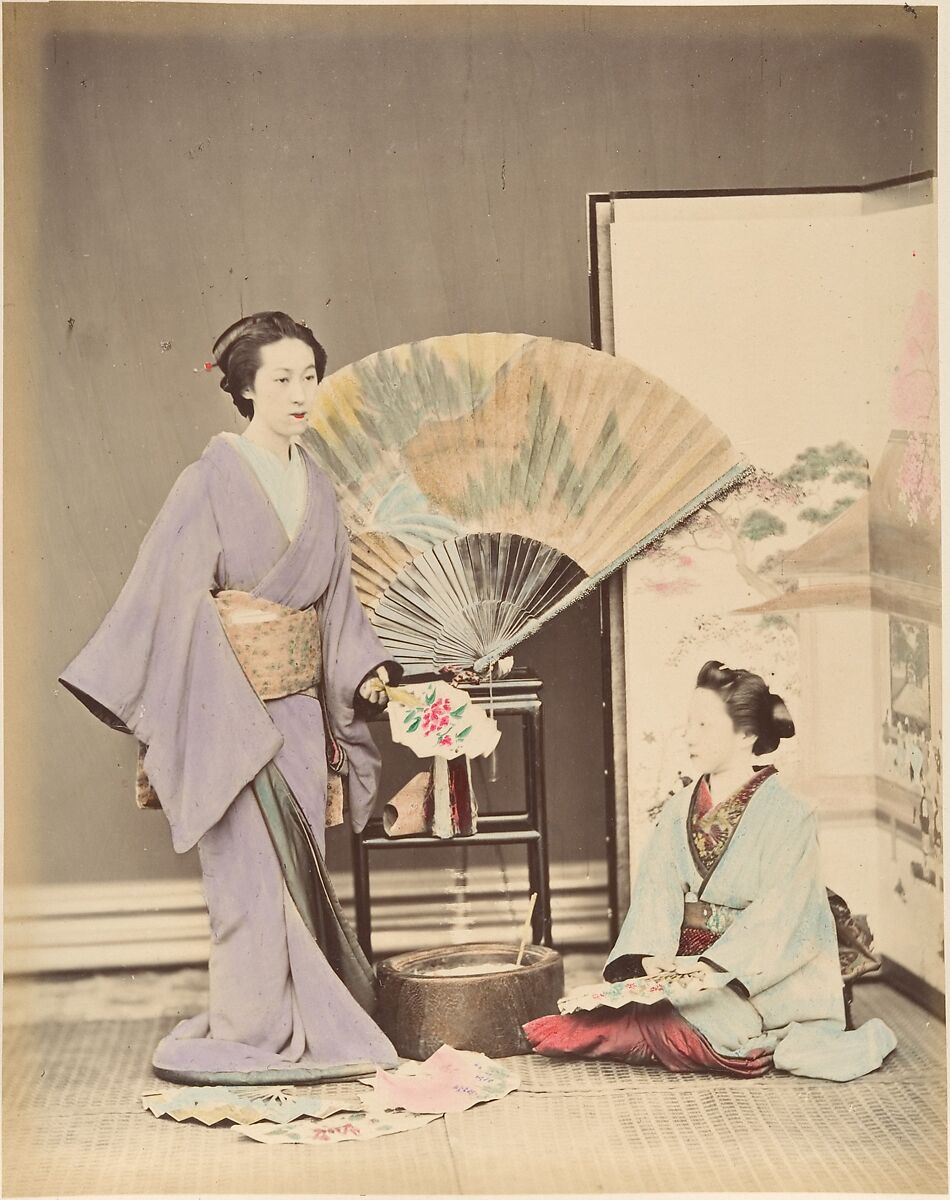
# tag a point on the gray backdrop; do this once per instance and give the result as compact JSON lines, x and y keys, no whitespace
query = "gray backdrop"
{"x":386,"y":174}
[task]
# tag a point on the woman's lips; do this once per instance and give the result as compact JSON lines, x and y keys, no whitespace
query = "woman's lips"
{"x":298,"y":416}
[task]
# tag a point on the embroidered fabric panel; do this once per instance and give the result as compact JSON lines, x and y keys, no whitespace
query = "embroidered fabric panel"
{"x":710,"y":828}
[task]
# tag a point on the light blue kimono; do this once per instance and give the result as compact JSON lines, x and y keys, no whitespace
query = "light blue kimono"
{"x":782,"y":946}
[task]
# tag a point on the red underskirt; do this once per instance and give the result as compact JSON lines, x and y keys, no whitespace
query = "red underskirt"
{"x":641,"y":1034}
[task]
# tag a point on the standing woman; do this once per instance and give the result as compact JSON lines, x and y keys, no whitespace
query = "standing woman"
{"x":730,"y":887}
{"x":239,"y":656}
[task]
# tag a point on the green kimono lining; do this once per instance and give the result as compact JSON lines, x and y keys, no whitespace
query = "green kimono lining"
{"x":310,"y":887}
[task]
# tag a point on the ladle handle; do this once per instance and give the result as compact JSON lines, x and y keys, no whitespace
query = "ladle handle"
{"x":526,"y":929}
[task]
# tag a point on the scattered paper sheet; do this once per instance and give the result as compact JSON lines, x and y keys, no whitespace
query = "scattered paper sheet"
{"x":449,"y":1081}
{"x":413,"y":1095}
{"x":356,"y":1127}
{"x":244,"y":1106}
{"x":438,"y":719}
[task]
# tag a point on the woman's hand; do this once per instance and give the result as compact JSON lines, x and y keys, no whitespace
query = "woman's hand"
{"x":373,"y":689}
{"x":658,"y":966}
{"x":704,"y":975}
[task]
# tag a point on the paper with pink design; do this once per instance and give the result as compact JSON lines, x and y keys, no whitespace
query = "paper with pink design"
{"x":439,"y":719}
{"x":449,"y":1081}
{"x":246,"y":1106}
{"x":354,"y":1127}
{"x":687,"y":979}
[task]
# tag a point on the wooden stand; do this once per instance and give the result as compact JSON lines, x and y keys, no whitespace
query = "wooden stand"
{"x":518,"y":694}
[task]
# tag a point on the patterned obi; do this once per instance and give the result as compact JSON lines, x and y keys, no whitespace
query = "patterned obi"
{"x":694,"y":942}
{"x":278,"y":648}
{"x":702,"y":924}
{"x":700,"y":914}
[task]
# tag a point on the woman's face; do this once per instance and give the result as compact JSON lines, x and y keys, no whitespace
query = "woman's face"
{"x":284,"y":387}
{"x":713,"y":741}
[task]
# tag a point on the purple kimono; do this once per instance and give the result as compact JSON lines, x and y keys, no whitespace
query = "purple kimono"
{"x":160,"y":666}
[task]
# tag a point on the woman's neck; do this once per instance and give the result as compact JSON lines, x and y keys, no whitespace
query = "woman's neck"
{"x":267,"y":439}
{"x":730,"y":778}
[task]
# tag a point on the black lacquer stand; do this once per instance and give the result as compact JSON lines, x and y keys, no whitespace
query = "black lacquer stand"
{"x":519,"y":694}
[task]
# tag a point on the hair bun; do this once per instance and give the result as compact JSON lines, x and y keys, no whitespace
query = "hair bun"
{"x":754,"y":709}
{"x":781,"y":718}
{"x":776,"y":724}
{"x":716,"y":675}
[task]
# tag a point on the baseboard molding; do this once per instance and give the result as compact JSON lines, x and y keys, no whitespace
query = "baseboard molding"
{"x":903,"y":980}
{"x":164,"y":922}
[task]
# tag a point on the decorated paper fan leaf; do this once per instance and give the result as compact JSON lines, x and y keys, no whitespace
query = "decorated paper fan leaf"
{"x":648,"y":989}
{"x":438,"y":719}
{"x":488,"y":480}
{"x":244,"y":1106}
{"x":449,"y":1081}
{"x":353,"y":1127}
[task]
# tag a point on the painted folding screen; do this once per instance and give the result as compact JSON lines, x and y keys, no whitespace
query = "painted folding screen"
{"x":805,"y":325}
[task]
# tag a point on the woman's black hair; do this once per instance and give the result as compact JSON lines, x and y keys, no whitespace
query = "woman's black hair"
{"x":753,"y":708}
{"x":238,"y":352}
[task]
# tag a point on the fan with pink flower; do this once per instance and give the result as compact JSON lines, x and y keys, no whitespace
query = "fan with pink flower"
{"x":439,"y":719}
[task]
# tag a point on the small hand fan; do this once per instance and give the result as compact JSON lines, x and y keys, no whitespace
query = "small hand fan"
{"x":438,"y":719}
{"x":489,"y":480}
{"x":647,"y":989}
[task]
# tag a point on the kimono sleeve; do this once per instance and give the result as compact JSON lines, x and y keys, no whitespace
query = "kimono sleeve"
{"x":790,"y":922}
{"x":160,"y":667}
{"x":653,"y":921}
{"x":351,"y":651}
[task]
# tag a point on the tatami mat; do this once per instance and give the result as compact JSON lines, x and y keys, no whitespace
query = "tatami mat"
{"x":73,"y":1124}
{"x":719,"y":1140}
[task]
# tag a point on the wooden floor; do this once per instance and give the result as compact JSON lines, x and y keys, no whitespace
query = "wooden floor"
{"x":76,"y":1054}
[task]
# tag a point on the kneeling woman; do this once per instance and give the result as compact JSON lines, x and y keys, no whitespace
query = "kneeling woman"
{"x":730,"y":885}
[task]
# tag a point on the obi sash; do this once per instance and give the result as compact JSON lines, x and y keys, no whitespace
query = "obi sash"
{"x":702,"y":925}
{"x":700,"y":914}
{"x":279,"y":650}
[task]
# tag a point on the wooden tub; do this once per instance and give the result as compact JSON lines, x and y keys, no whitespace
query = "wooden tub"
{"x":472,"y":997}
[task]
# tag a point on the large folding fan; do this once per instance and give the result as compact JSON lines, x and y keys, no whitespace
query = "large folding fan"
{"x":489,"y":480}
